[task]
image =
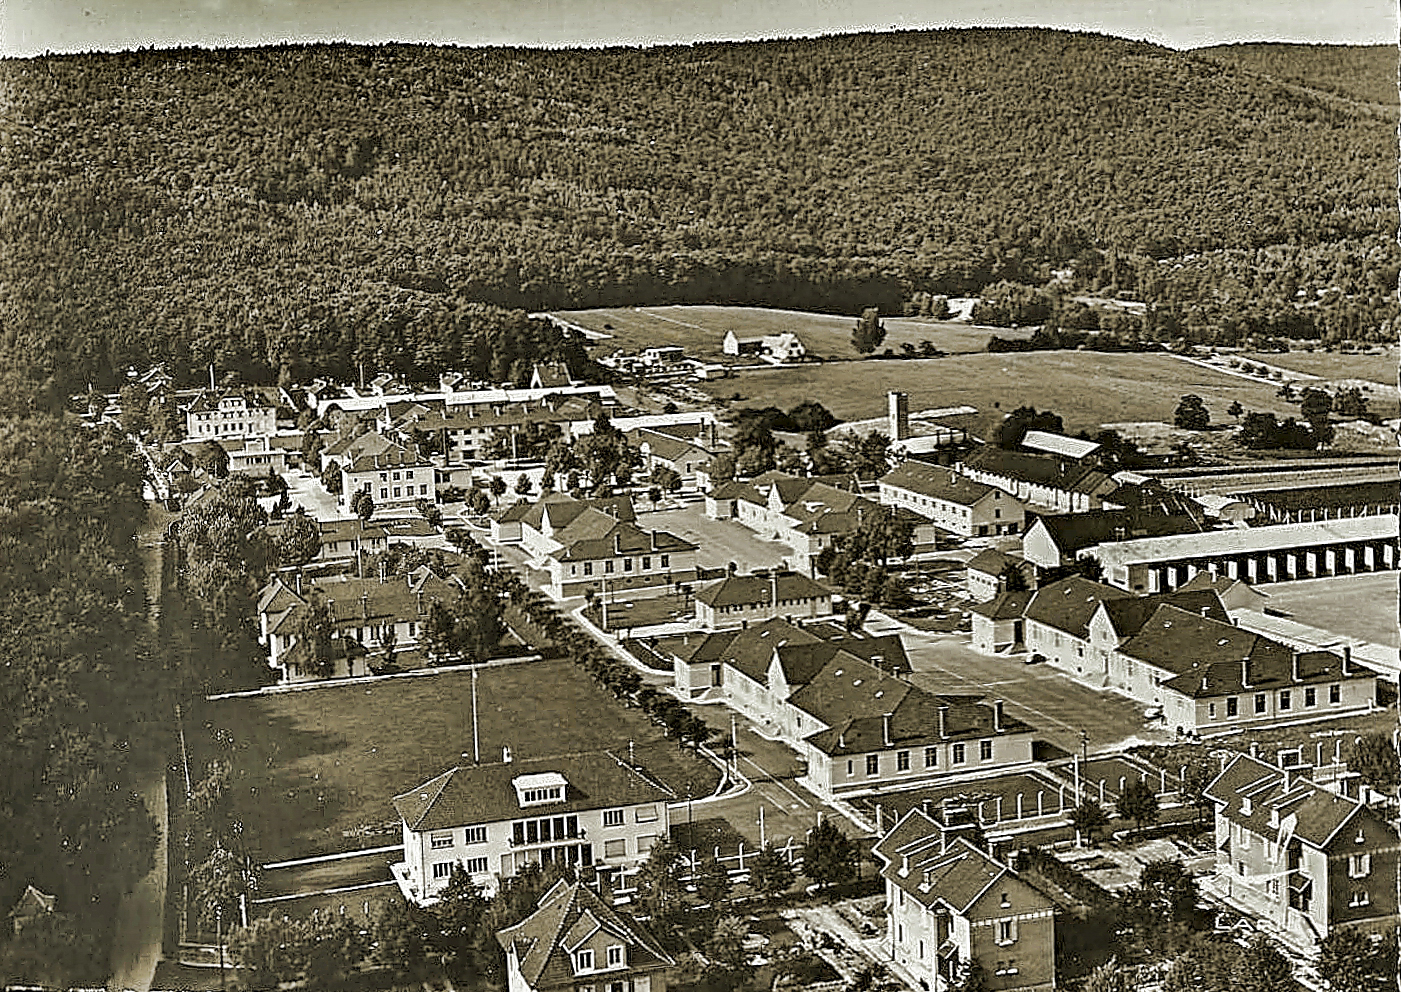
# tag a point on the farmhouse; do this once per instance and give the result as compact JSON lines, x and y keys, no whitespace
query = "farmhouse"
{"x":951,"y":903}
{"x":785,"y":347}
{"x":1306,"y":858}
{"x":739,"y":599}
{"x":575,"y":939}
{"x":491,"y":820}
{"x":1277,"y":553}
{"x":954,"y":503}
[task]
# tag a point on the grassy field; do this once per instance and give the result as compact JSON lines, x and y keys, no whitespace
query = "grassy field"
{"x":1086,"y":388}
{"x":314,"y":771}
{"x":1333,"y":365}
{"x":701,"y":329}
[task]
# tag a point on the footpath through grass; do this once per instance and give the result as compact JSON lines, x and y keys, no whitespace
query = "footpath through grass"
{"x":314,"y":771}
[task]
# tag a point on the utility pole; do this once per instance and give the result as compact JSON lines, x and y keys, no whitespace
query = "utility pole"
{"x":476,"y":743}
{"x":734,"y":745}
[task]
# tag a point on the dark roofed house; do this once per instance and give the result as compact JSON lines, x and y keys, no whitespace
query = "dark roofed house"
{"x":999,"y":624}
{"x":955,"y":503}
{"x":1307,"y":859}
{"x":1055,"y":541}
{"x":1058,"y":620}
{"x":738,"y":599}
{"x":1055,"y":482}
{"x":491,"y":820}
{"x":986,"y":573}
{"x":1212,"y":677}
{"x":951,"y":903}
{"x":575,"y":939}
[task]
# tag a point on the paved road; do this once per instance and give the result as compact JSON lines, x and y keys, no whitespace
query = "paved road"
{"x":136,"y":943}
{"x":304,"y":490}
{"x":721,"y":541}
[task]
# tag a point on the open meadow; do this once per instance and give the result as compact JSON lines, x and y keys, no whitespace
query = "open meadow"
{"x":314,"y":771}
{"x":1086,"y":388}
{"x":1335,"y":365}
{"x":701,"y":329}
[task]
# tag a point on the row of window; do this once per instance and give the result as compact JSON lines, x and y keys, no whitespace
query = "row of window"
{"x":407,"y":491}
{"x":473,"y":866}
{"x":745,"y":607}
{"x":959,"y":756}
{"x":385,"y":476}
{"x":1286,"y":700}
{"x":644,"y":564}
{"x":584,"y":959}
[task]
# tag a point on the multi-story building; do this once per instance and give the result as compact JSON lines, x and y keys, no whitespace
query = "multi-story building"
{"x":258,"y":456}
{"x":575,"y":941}
{"x":1040,"y":481}
{"x":1308,"y":859}
{"x":491,"y":820}
{"x":230,"y":413}
{"x":954,"y":503}
{"x":392,"y":475}
{"x":739,"y":599}
{"x":999,"y":624}
{"x":953,"y":906}
{"x":1054,"y":541}
{"x":1058,"y":621}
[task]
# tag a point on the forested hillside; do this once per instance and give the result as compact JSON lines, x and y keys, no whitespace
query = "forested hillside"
{"x":296,"y":209}
{"x":1358,"y":72}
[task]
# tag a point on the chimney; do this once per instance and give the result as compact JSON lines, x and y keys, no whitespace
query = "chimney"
{"x":1254,"y":749}
{"x":1203,"y":683}
{"x":841,"y":739}
{"x":924,"y":882}
{"x":1347,"y":660}
{"x":1245,"y":673}
{"x":1294,"y":666}
{"x":885,"y":728}
{"x":943,"y":720}
{"x":773,"y":589}
{"x":299,"y":582}
{"x":898,"y":405}
{"x":421,"y":610}
{"x":505,"y":755}
{"x":997,"y":715}
{"x":617,"y":543}
{"x":904,"y":865}
{"x":364,"y":606}
{"x":924,"y":805}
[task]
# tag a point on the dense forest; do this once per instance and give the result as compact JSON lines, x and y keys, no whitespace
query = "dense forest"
{"x":295,"y":209}
{"x":1356,"y":72}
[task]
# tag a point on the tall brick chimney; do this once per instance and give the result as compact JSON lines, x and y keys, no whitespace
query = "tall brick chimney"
{"x":899,"y":415}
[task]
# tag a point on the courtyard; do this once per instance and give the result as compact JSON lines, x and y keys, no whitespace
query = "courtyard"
{"x":1363,"y":605}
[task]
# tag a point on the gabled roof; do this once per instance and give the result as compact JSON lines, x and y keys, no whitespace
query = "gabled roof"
{"x":802,"y":662}
{"x":475,"y":794}
{"x":934,"y":868}
{"x":1069,"y":604}
{"x":1037,"y":469}
{"x":1073,"y":532}
{"x":737,"y":490}
{"x":1059,"y":444}
{"x":751,"y":649}
{"x":1128,"y":615}
{"x":848,"y":686}
{"x":1319,"y":813}
{"x":588,"y":541}
{"x":32,"y":902}
{"x":937,"y":482}
{"x":1005,"y":605}
{"x":758,"y":590}
{"x":990,"y":561}
{"x":698,"y":648}
{"x":209,"y":399}
{"x":914,"y":722}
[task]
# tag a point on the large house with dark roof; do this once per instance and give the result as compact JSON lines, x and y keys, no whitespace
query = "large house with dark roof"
{"x":951,"y":903}
{"x":230,"y":413}
{"x":806,"y":514}
{"x":593,"y":545}
{"x":575,"y":941}
{"x":740,"y":599}
{"x":1058,"y":621}
{"x":391,"y":473}
{"x":1211,"y":676}
{"x":985,"y":573}
{"x":953,"y":502}
{"x":1055,"y":541}
{"x":491,"y":820}
{"x":1305,"y":858}
{"x":1052,"y":482}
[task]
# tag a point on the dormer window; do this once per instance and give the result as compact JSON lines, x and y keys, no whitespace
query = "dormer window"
{"x":615,"y":956}
{"x":539,"y":789}
{"x":583,"y":960}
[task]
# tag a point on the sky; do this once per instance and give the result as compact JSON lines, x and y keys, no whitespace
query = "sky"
{"x":32,"y":27}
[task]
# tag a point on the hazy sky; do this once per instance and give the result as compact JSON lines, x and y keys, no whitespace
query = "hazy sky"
{"x":29,"y":27}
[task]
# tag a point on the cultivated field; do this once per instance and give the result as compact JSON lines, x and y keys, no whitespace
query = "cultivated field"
{"x":1334,"y":365}
{"x":314,"y":771}
{"x":1086,"y":388}
{"x":1353,"y":605}
{"x":701,"y":329}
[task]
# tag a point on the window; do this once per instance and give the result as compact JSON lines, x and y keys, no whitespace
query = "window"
{"x":615,"y":955}
{"x":627,"y":564}
{"x":984,"y":750}
{"x":583,"y":961}
{"x":931,"y":757}
{"x":442,"y":869}
{"x":1284,"y":699}
{"x":646,"y":563}
{"x":1335,"y":694}
{"x":423,"y":489}
{"x":384,"y":477}
{"x":666,"y":561}
{"x":1360,"y":898}
{"x":646,"y":814}
{"x":1005,"y":901}
{"x":608,"y":568}
{"x":850,"y":768}
{"x":476,"y":835}
{"x":960,"y":753}
{"x":1259,"y":702}
{"x":475,"y":866}
{"x":1232,"y":706}
{"x":384,"y":494}
{"x":1359,"y":865}
{"x":439,"y":841}
{"x":1310,"y":696}
{"x":612,"y":818}
{"x":588,"y":568}
{"x":872,"y":764}
{"x":617,"y":848}
{"x":1006,"y":931}
{"x":396,"y":476}
{"x":902,"y":761}
{"x":1211,"y":710}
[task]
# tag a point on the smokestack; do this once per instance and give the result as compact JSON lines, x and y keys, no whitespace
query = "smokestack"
{"x":943,"y":721}
{"x":505,"y":755}
{"x":898,"y":405}
{"x":885,"y":728}
{"x":997,"y":715}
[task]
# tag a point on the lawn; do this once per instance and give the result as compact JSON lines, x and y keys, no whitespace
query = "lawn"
{"x":701,"y":329}
{"x":1335,"y":365}
{"x":314,"y":771}
{"x":1086,"y":388}
{"x":1351,"y":605}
